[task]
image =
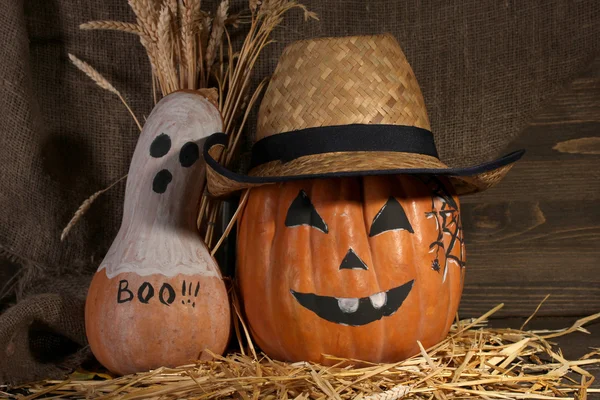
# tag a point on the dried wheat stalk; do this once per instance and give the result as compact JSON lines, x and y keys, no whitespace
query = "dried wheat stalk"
{"x":146,"y":12}
{"x":93,"y":74}
{"x":191,"y":14}
{"x":102,"y":82}
{"x":166,"y":76}
{"x":235,"y":83}
{"x":85,"y":206}
{"x":113,"y":26}
{"x":216,"y":35}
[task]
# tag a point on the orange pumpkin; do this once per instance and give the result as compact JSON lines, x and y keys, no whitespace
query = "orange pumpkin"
{"x":351,"y":267}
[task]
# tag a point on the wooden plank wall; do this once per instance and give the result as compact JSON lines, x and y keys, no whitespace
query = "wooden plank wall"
{"x":538,"y":232}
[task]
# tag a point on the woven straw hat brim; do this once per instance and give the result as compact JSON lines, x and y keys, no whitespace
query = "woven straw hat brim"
{"x":467,"y":180}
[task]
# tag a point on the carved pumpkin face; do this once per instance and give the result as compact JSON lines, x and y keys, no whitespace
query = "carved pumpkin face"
{"x":352,"y":267}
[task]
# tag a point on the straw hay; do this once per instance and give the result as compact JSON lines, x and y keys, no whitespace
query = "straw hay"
{"x":474,"y":361}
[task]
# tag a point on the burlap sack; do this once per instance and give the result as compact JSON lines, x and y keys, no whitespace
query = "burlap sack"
{"x":43,"y":336}
{"x":483,"y":66}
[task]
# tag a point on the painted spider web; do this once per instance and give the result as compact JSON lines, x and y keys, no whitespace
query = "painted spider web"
{"x":448,"y":222}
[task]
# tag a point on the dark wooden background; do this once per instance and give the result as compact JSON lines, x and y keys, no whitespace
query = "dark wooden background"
{"x":538,"y":231}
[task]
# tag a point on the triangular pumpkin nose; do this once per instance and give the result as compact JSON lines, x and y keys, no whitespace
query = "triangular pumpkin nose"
{"x":352,"y":261}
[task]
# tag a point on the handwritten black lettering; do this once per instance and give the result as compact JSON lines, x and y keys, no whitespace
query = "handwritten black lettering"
{"x":123,"y":289}
{"x":149,"y":292}
{"x":170,"y":292}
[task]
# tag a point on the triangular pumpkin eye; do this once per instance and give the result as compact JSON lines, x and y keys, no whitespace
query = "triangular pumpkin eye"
{"x":352,"y":261}
{"x":391,"y":217}
{"x":302,"y":212}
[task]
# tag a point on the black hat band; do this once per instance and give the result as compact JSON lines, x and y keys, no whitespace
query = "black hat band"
{"x":289,"y":146}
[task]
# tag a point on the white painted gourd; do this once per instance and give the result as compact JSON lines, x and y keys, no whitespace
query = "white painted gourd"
{"x":158,"y":298}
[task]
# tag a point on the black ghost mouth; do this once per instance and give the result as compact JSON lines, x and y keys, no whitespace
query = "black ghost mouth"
{"x":355,"y":311}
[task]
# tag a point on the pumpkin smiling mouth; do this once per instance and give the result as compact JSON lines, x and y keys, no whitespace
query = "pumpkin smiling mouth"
{"x":355,"y":311}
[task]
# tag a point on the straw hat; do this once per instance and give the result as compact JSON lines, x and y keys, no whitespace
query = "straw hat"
{"x":348,"y":106}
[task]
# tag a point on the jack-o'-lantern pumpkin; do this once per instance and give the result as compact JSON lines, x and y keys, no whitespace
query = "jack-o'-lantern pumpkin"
{"x":350,"y":243}
{"x":354,"y":267}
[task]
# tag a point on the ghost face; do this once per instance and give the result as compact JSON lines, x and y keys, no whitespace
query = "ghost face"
{"x":352,"y":267}
{"x":166,"y":173}
{"x":164,"y":185}
{"x":160,"y":147}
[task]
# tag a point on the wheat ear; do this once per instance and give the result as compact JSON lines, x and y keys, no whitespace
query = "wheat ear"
{"x":113,"y":26}
{"x":165,"y":51}
{"x":216,"y":35}
{"x":102,"y":82}
{"x":189,"y":46}
{"x":86,"y":206}
{"x":146,"y":14}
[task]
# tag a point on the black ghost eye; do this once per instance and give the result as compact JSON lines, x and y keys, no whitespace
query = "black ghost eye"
{"x":161,"y":181}
{"x":189,"y":154}
{"x":160,"y":146}
{"x":391,"y":217}
{"x":302,"y":212}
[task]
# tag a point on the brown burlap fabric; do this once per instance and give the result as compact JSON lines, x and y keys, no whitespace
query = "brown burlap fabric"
{"x":483,"y":66}
{"x":43,"y":336}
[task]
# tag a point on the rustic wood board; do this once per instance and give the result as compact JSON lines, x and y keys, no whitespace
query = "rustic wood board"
{"x":536,"y":233}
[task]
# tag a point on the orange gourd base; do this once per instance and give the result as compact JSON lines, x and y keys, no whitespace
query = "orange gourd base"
{"x":292,"y":275}
{"x":154,"y":322}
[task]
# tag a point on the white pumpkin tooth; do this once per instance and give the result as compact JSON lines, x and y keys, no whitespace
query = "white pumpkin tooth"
{"x":378,"y":299}
{"x":348,"y":305}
